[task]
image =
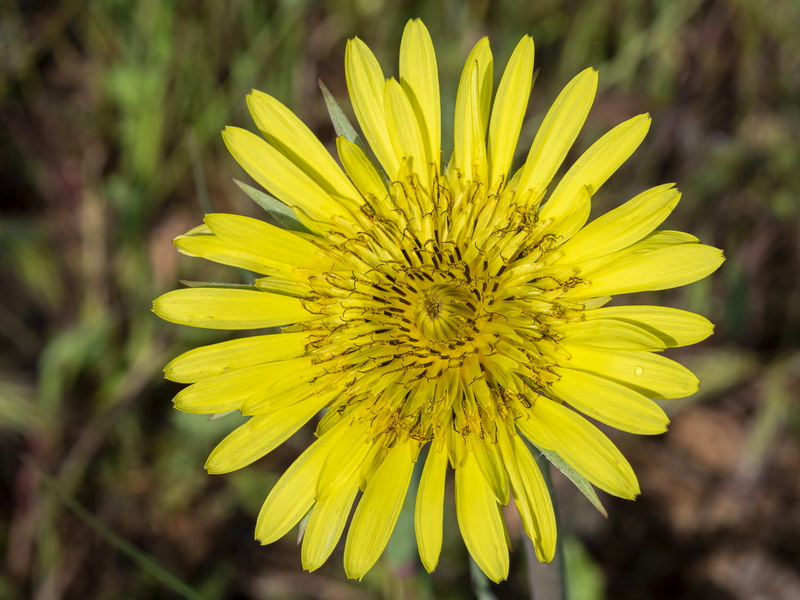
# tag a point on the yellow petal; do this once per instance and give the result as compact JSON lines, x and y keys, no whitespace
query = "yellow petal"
{"x":657,"y":270}
{"x":293,"y":495}
{"x":265,"y":240}
{"x":244,"y":387}
{"x":509,"y":109}
{"x":344,"y":460}
{"x":428,"y":511}
{"x":567,"y":206}
{"x":480,"y":520}
{"x":326,"y":524}
{"x":419,"y":77}
{"x":555,"y":427}
{"x":285,"y":287}
{"x":556,"y":135}
{"x":219,"y":308}
{"x":365,"y":83}
{"x":261,"y":435}
{"x":657,"y":240}
{"x":314,"y":206}
{"x":360,"y":169}
{"x":610,"y":402}
{"x":654,"y":375}
{"x":491,"y":464}
{"x":212,"y":248}
{"x":287,"y":382}
{"x":622,"y":226}
{"x":377,"y":511}
{"x":672,"y":326}
{"x":610,"y":333}
{"x":288,"y":134}
{"x":531,"y":496}
{"x":472,"y":114}
{"x":219,"y":358}
{"x":404,"y":131}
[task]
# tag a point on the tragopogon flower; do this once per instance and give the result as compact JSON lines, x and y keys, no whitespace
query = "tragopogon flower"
{"x":447,"y":310}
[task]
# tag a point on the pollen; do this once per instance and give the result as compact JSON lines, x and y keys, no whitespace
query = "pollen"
{"x":432,"y":301}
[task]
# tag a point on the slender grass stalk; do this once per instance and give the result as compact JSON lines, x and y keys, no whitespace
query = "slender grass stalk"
{"x":145,"y":561}
{"x":480,"y":582}
{"x":547,"y":581}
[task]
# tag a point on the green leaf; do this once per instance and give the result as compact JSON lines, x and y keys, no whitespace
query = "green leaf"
{"x":341,"y":124}
{"x":580,"y":482}
{"x":283,"y":214}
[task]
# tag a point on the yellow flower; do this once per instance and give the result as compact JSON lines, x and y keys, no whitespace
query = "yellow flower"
{"x":449,"y":307}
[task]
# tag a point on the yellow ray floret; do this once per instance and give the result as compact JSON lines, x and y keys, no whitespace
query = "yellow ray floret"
{"x":419,"y":77}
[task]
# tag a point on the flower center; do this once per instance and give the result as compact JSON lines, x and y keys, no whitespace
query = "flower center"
{"x":438,"y":315}
{"x":445,"y":312}
{"x":432,"y":304}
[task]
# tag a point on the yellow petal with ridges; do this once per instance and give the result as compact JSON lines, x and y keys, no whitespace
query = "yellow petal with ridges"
{"x":404,"y":131}
{"x":472,"y":114}
{"x":653,"y":374}
{"x":344,"y":460}
{"x":293,"y":495}
{"x":326,"y":524}
{"x":213,"y":248}
{"x":610,"y":333}
{"x":360,"y":169}
{"x":555,"y":427}
{"x":556,"y":135}
{"x":365,"y":83}
{"x":261,"y":435}
{"x":216,"y":359}
{"x":480,"y":520}
{"x":429,"y":508}
{"x":493,"y":468}
{"x":239,"y":389}
{"x":219,"y":308}
{"x":271,"y":169}
{"x":419,"y":76}
{"x":377,"y":511}
{"x":660,"y":269}
{"x":568,"y":206}
{"x":610,"y":402}
{"x":263,"y":239}
{"x":508,"y":111}
{"x":285,"y":287}
{"x":287,"y":382}
{"x":673,"y":326}
{"x":656,"y":240}
{"x":530,"y":495}
{"x":288,"y":134}
{"x":622,"y":226}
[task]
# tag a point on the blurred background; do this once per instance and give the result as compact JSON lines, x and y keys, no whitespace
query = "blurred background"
{"x":110,"y":113}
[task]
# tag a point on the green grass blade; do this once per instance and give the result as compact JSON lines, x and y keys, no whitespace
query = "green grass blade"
{"x":144,"y":560}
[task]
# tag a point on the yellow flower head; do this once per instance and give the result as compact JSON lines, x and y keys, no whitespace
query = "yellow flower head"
{"x":456,"y":308}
